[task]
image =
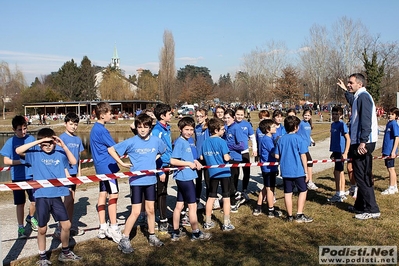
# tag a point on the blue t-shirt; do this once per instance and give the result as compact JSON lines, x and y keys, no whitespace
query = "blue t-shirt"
{"x":391,"y":132}
{"x":233,"y":143}
{"x":289,"y":148}
{"x":337,"y":140}
{"x":100,"y":140}
{"x":182,"y":151}
{"x":304,"y":131}
{"x":267,"y":150}
{"x":200,"y":136}
{"x":18,"y":172}
{"x":245,"y":132}
{"x":164,"y":133}
{"x":48,"y":166}
{"x":259,"y":135}
{"x":142,"y":155}
{"x":75,"y":145}
{"x":280,"y":131}
{"x":213,"y":151}
{"x":194,"y":150}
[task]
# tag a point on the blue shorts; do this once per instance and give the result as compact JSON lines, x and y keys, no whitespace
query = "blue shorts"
{"x":53,"y":206}
{"x":20,"y":195}
{"x":214,"y":184}
{"x":339,"y":166}
{"x":298,"y":181}
{"x":389,"y":163}
{"x":111,"y":187}
{"x":186,"y":191}
{"x":137,"y":192}
{"x":269,"y":179}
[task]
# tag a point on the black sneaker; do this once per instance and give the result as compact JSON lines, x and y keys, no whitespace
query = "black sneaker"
{"x":302,"y":218}
{"x":289,"y":219}
{"x":274,"y":213}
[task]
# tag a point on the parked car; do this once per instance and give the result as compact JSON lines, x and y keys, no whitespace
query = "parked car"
{"x":188,"y":111}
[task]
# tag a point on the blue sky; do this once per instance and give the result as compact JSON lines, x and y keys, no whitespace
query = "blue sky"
{"x":40,"y":36}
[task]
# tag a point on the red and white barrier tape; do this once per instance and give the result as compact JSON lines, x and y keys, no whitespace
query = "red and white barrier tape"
{"x":56,"y":182}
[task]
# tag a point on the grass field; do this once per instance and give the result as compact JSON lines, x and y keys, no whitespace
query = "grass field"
{"x":261,"y":240}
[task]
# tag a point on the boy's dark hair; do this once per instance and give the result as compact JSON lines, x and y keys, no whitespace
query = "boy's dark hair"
{"x":186,"y":121}
{"x":395,"y":111}
{"x":240,"y":108}
{"x":73,"y":117}
{"x":337,"y":109}
{"x":230,"y":112}
{"x":265,"y":125}
{"x":359,"y":78}
{"x":263,"y":113}
{"x":45,"y":133}
{"x":161,"y":109}
{"x":277,"y":113}
{"x":143,"y":119}
{"x":102,"y":108}
{"x":291,"y":123}
{"x":215,"y":124}
{"x":18,"y":120}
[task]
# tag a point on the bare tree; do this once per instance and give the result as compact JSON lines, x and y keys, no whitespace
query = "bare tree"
{"x":263,"y":67}
{"x":11,"y":84}
{"x":167,"y":70}
{"x":314,"y":60}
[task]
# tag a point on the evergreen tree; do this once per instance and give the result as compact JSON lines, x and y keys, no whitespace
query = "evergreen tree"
{"x":374,"y":73}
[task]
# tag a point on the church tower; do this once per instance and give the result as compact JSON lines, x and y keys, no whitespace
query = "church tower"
{"x":115,"y":59}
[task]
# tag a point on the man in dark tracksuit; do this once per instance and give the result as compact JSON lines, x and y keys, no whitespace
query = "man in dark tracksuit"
{"x":364,"y":134}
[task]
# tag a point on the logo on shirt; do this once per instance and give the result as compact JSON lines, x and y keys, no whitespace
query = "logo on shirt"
{"x":211,"y":153}
{"x":244,"y":128}
{"x":50,"y":162}
{"x":73,"y":145}
{"x":144,"y":151}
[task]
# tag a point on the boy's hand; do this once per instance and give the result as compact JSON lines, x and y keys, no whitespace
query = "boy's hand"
{"x":192,"y":165}
{"x":306,"y":177}
{"x":198,"y":165}
{"x":393,"y":155}
{"x":162,"y":177}
{"x":127,"y":165}
{"x":344,"y":156}
{"x":58,"y":141}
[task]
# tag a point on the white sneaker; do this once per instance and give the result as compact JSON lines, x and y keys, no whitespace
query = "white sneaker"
{"x":115,"y":234}
{"x":390,"y":191}
{"x":312,"y":186}
{"x":102,"y":233}
{"x":367,"y":215}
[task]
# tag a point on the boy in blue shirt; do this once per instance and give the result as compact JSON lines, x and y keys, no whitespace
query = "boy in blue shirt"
{"x":291,"y":153}
{"x":100,"y":141}
{"x":339,"y":146}
{"x":163,"y":113}
{"x":75,"y":145}
{"x":20,"y":171}
{"x":49,"y":162}
{"x":143,"y":150}
{"x":269,"y":173}
{"x":390,"y":148}
{"x":215,"y":152}
{"x":183,"y":156}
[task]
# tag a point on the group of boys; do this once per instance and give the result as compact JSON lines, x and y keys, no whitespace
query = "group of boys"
{"x":55,"y":157}
{"x":47,"y":157}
